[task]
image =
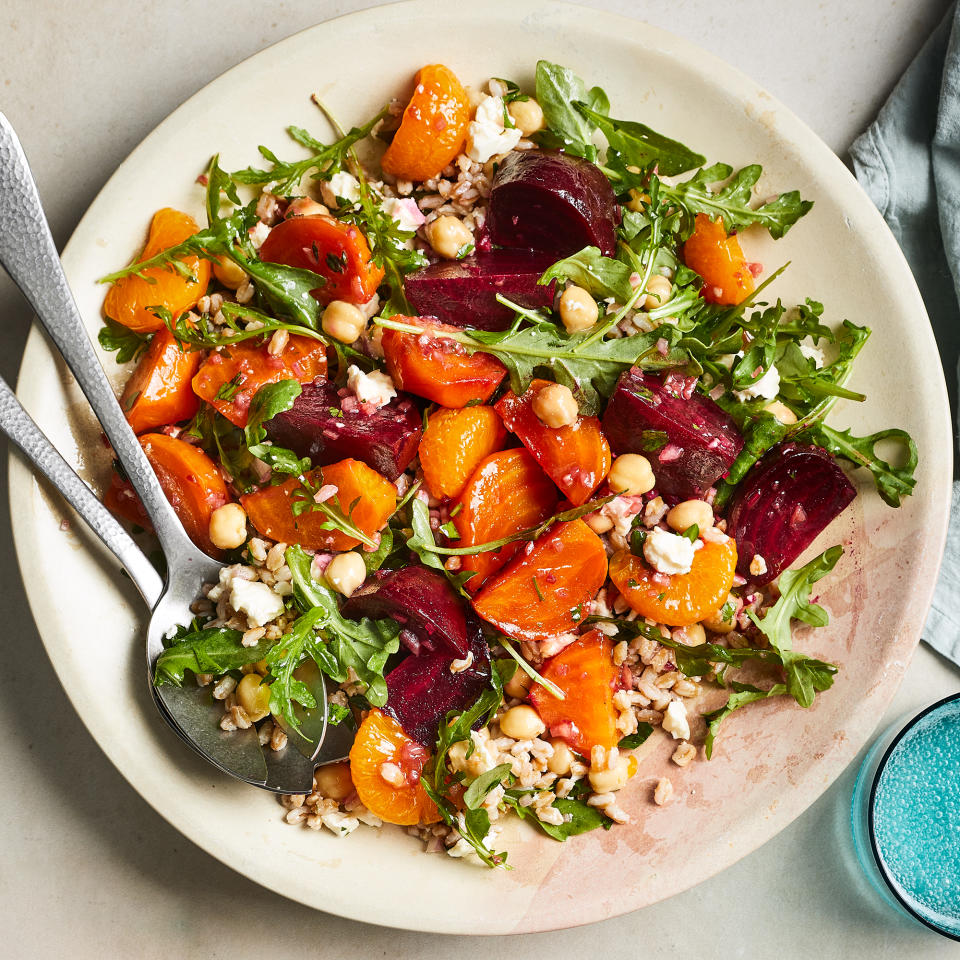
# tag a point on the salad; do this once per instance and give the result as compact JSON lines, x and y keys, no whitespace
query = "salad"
{"x":497,"y":426}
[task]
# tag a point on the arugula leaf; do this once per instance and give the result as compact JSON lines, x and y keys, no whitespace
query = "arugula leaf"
{"x":203,"y":333}
{"x":472,"y":825}
{"x":589,"y":366}
{"x":343,"y":644}
{"x":641,"y":146}
{"x":218,"y":182}
{"x":743,"y":693}
{"x":421,"y":542}
{"x":634,"y":740}
{"x":225,"y":443}
{"x":893,"y":483}
{"x":128,"y":344}
{"x":732,"y":201}
{"x":804,"y":676}
{"x":304,"y":498}
{"x":373,"y":560}
{"x":582,"y":817}
{"x":589,"y":268}
{"x":557,"y":89}
{"x":482,"y":786}
{"x":324,"y":162}
{"x":388,"y":243}
{"x":215,"y":650}
{"x":267,"y":402}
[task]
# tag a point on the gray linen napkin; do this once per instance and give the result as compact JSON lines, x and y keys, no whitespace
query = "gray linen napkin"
{"x":908,"y":162}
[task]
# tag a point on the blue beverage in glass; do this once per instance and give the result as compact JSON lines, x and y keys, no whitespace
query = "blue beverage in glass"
{"x":906,"y":816}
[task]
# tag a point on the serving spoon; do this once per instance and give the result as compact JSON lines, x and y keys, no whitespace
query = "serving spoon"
{"x":29,"y":255}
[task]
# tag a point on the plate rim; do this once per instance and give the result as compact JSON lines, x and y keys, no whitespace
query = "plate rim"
{"x":732,"y":81}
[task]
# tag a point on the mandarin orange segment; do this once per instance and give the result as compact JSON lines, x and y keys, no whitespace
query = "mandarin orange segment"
{"x":719,"y":259}
{"x":367,"y":498}
{"x":229,"y":378}
{"x":127,"y":300}
{"x":437,"y":367}
{"x":191,"y":481}
{"x":577,"y":458}
{"x":433,"y":127}
{"x":680,"y":599}
{"x":454,"y":444}
{"x":507,"y":493}
{"x":380,"y":740}
{"x":585,"y":672}
{"x":159,"y":392}
{"x":546,"y":592}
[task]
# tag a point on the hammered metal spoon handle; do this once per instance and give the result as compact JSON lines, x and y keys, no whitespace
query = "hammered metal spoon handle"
{"x":15,"y":422}
{"x":28,"y":253}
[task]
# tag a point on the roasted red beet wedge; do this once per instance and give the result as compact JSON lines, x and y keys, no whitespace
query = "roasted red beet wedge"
{"x":464,"y":292}
{"x":422,"y":601}
{"x":688,"y":439}
{"x":783,"y":503}
{"x":544,"y":200}
{"x":326,"y":427}
{"x":421,"y":690}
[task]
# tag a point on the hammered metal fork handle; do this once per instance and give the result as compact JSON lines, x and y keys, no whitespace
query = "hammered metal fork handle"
{"x":15,"y":422}
{"x":28,"y":253}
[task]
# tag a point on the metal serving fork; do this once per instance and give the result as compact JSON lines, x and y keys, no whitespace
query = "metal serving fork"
{"x":28,"y":253}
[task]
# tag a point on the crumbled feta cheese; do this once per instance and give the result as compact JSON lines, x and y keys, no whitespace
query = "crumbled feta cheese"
{"x":256,"y":600}
{"x":675,"y":721}
{"x":405,"y":212}
{"x":486,"y":135}
{"x":553,"y":645}
{"x":343,"y":186}
{"x":668,"y":552}
{"x":813,"y":353}
{"x":376,"y":387}
{"x":728,"y":359}
{"x":258,"y":233}
{"x":340,"y":823}
{"x":768,"y":386}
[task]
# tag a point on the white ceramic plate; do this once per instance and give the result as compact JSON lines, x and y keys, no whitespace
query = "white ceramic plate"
{"x":773,"y":759}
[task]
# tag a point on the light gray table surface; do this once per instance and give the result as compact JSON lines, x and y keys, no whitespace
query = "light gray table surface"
{"x":87,"y":868}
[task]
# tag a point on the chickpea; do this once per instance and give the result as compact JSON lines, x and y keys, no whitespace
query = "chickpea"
{"x":555,"y":406}
{"x":527,"y":115}
{"x":518,"y":686}
{"x":230,"y":274}
{"x":562,"y":759}
{"x":689,"y":513}
{"x":228,"y":526}
{"x":658,"y":292}
{"x":716,"y":622}
{"x":305,"y":207}
{"x":692,"y":635}
{"x":631,"y":474}
{"x":578,"y":310}
{"x":448,"y":236}
{"x":781,"y":411}
{"x":333,"y":781}
{"x":254,"y":696}
{"x":522,"y":723}
{"x":599,"y":523}
{"x":343,"y":321}
{"x":346,"y":572}
{"x":608,"y":781}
